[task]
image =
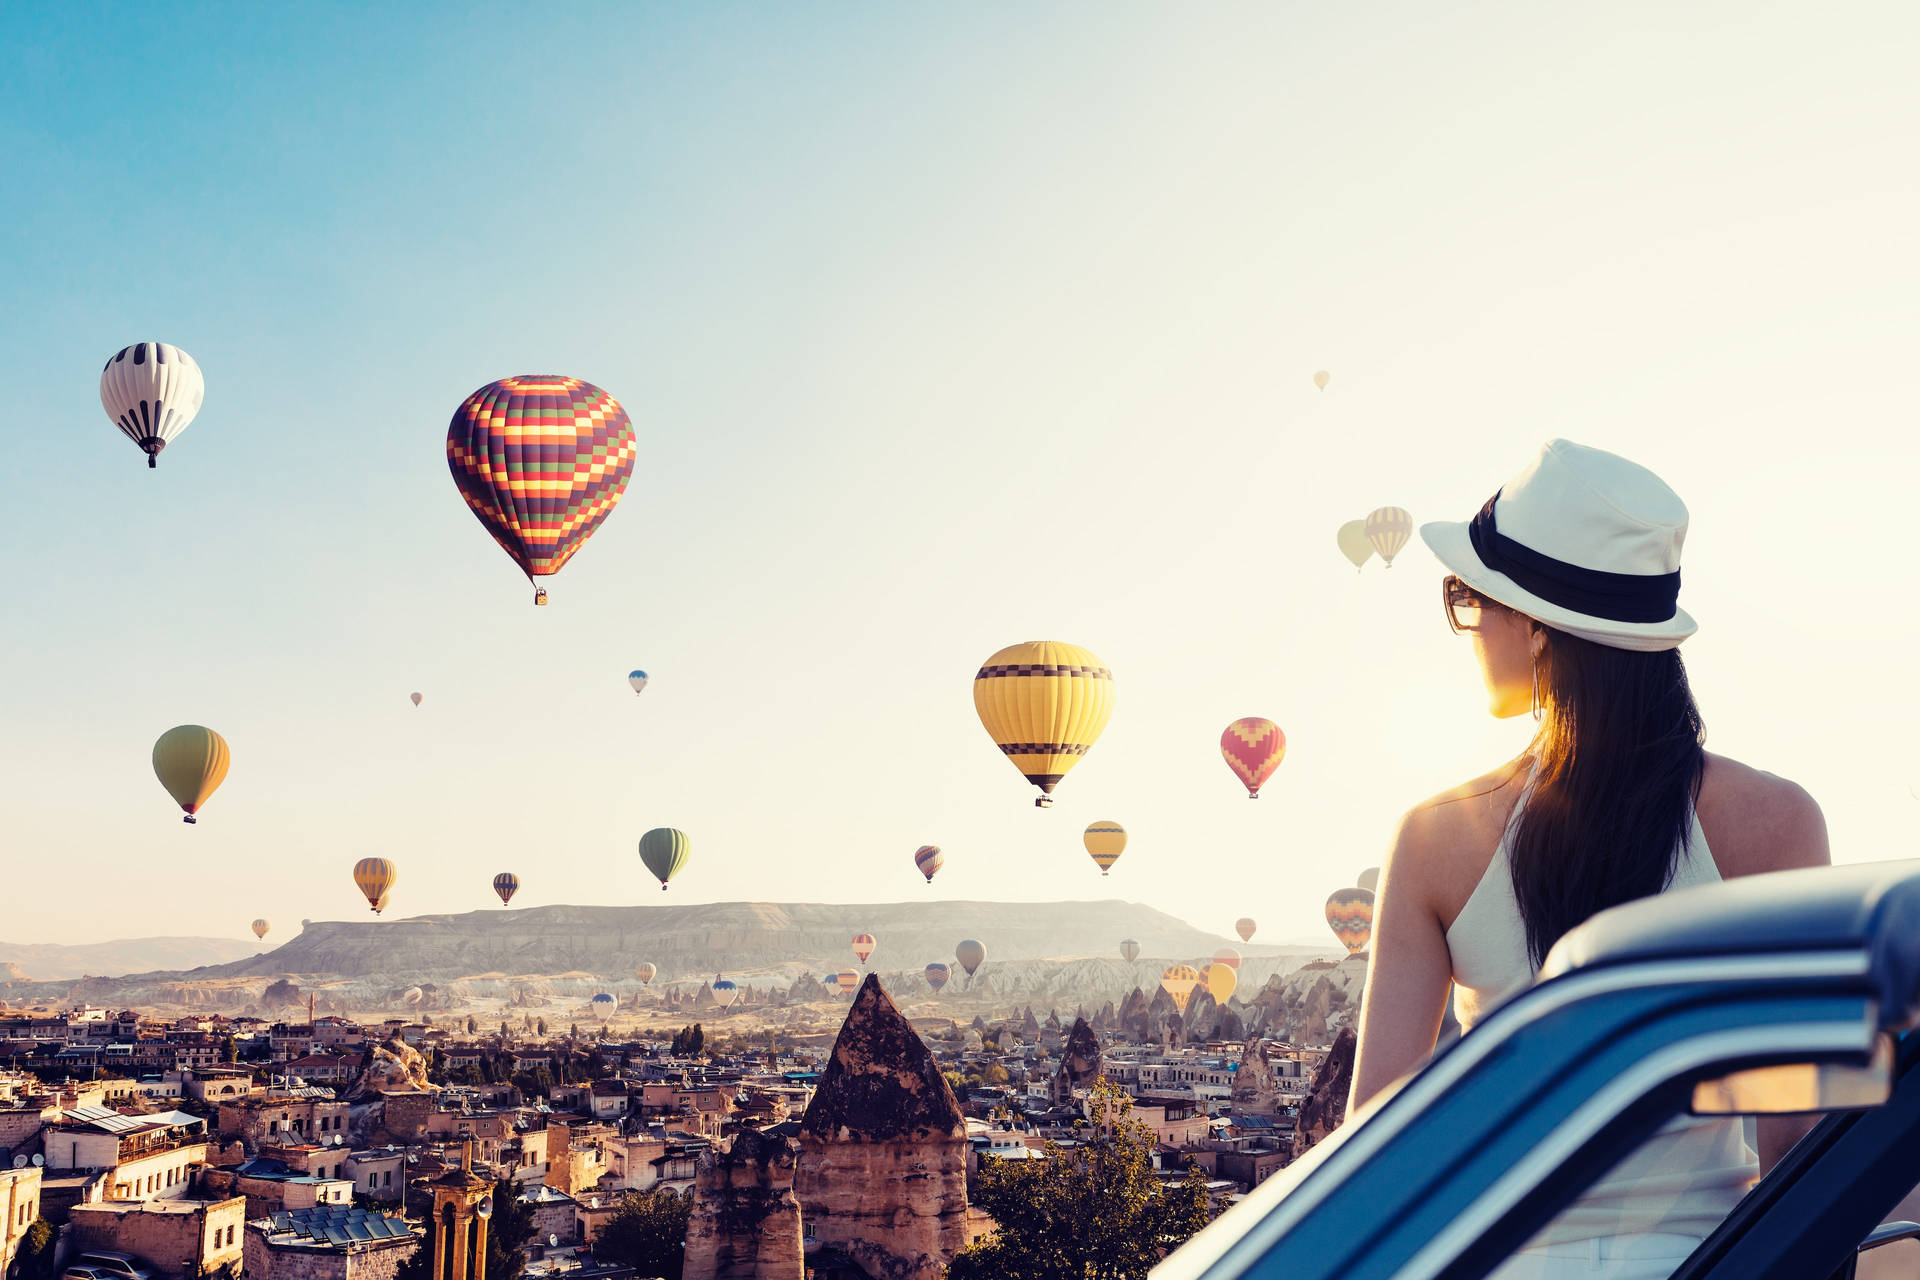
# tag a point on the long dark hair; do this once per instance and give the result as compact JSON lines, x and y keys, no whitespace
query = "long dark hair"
{"x":1618,"y":762}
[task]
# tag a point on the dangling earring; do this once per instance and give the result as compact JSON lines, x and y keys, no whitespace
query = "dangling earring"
{"x":1536,"y":686}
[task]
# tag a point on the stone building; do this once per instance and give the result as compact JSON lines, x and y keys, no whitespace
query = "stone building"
{"x":20,"y":1201}
{"x":328,"y":1242}
{"x":179,"y":1238}
{"x":745,"y":1222}
{"x":882,"y":1178}
{"x":286,"y":1117}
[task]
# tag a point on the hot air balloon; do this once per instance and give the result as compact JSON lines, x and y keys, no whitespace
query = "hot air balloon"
{"x":971,"y":955}
{"x":191,"y":762}
{"x":375,"y":877}
{"x":937,"y":975}
{"x":863,"y":946}
{"x":1369,"y":879}
{"x":638,"y":679}
{"x":1220,"y":980}
{"x":1129,"y":950}
{"x":1245,"y":927}
{"x":929,"y":859}
{"x":416,"y":698}
{"x":413,"y":995}
{"x":1227,"y":956}
{"x":151,"y":390}
{"x":1179,"y":981}
{"x":1106,"y":841}
{"x":664,"y":851}
{"x":542,"y":460}
{"x":1350,"y":916}
{"x":1353,"y":542}
{"x":725,"y":992}
{"x":604,"y":1004}
{"x":1253,"y":749}
{"x":260,"y":928}
{"x":1388,"y":529}
{"x":646,"y":972}
{"x":506,"y":884}
{"x":1321,"y":379}
{"x":847,"y":980}
{"x":1044,"y":704}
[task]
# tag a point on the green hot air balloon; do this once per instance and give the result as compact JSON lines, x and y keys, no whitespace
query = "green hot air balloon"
{"x":664,"y":851}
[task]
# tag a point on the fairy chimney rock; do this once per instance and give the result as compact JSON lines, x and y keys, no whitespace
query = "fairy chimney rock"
{"x":1326,"y":1106}
{"x":882,"y":1175}
{"x":745,"y":1220}
{"x":1256,"y":1090}
{"x":1080,"y":1063}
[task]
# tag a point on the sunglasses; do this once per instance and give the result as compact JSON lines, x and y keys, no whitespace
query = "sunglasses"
{"x":1463,"y":604}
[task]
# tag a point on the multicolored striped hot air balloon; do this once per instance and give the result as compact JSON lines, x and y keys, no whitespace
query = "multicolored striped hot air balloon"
{"x":413,"y":995}
{"x":1105,"y":841}
{"x":1227,"y":956}
{"x":937,"y":975}
{"x":929,"y":859}
{"x":971,"y":955}
{"x":1350,"y":916}
{"x":1253,"y":749}
{"x":1129,"y":950}
{"x":1369,"y":879}
{"x":846,"y":980}
{"x":260,"y":928}
{"x":1220,"y":980}
{"x":863,"y":946}
{"x":1044,"y":704}
{"x":542,"y":460}
{"x":191,"y":762}
{"x":646,"y":971}
{"x":506,"y":884}
{"x":374,"y":877}
{"x":1388,"y":529}
{"x":664,"y":851}
{"x":1245,"y":927}
{"x":151,"y":390}
{"x":1178,"y":981}
{"x":725,"y":992}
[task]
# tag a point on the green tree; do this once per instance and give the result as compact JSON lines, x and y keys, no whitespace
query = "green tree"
{"x":541,"y":1026}
{"x":229,"y":1051}
{"x":34,"y":1261}
{"x":508,"y":1231}
{"x":473,"y":1025}
{"x":994,"y":1074}
{"x":647,"y":1232}
{"x":437,"y":1066}
{"x":1095,"y":1212}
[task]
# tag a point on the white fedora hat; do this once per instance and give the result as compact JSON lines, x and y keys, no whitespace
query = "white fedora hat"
{"x":1581,"y":540}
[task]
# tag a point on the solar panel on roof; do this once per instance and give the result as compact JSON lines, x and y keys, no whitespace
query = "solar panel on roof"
{"x":358,"y":1230}
{"x":336,"y":1236}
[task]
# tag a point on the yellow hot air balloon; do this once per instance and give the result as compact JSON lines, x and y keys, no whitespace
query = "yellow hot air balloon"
{"x":1179,"y":981}
{"x":1353,"y":542}
{"x":1388,"y":529}
{"x":1106,"y":841}
{"x":1321,"y":379}
{"x":1044,"y":704}
{"x":374,"y":878}
{"x":191,"y":762}
{"x":260,"y":928}
{"x":1221,"y":979}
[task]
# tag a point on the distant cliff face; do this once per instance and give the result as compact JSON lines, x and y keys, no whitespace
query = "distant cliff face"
{"x":50,"y":960}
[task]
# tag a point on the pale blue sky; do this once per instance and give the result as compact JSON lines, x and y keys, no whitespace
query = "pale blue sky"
{"x":941,"y":328}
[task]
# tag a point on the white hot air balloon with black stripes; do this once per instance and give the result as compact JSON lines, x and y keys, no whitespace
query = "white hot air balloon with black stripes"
{"x":151,"y":390}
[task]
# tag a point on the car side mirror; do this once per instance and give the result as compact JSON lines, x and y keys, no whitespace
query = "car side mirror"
{"x":1799,"y":1087}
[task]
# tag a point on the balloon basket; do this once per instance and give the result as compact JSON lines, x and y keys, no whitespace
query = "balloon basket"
{"x":539,"y":596}
{"x":152,"y":462}
{"x":1044,"y":802}
{"x":190,"y":820}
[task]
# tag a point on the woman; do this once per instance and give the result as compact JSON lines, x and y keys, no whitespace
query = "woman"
{"x":1568,"y":582}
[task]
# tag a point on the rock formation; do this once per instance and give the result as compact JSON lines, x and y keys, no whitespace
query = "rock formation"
{"x":1030,"y":1026}
{"x":1326,"y":1104}
{"x":1256,"y":1087}
{"x":745,"y":1221}
{"x":1080,"y":1064}
{"x":388,"y":1067}
{"x":882,"y":1175}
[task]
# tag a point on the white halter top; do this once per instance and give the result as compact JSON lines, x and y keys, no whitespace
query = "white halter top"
{"x":1684,"y":1179}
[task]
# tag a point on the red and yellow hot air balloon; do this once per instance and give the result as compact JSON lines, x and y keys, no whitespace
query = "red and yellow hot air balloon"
{"x":1044,"y":704}
{"x":937,"y":975}
{"x":374,"y":878}
{"x":542,"y":460}
{"x":863,"y":946}
{"x":1350,"y":916}
{"x":847,"y":980}
{"x":1178,"y":981}
{"x":1105,"y":842}
{"x":1253,"y":749}
{"x":928,"y":859}
{"x":1227,"y":956}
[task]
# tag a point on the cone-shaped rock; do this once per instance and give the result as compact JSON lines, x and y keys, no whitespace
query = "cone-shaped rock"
{"x":1080,"y":1063}
{"x":1326,"y":1105}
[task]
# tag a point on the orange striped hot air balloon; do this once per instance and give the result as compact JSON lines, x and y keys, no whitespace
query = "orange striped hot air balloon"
{"x":1350,"y":916}
{"x":1105,"y":842}
{"x":1178,"y":981}
{"x":846,"y":980}
{"x":863,"y":946}
{"x":374,"y":877}
{"x":928,"y":859}
{"x":1253,"y":748}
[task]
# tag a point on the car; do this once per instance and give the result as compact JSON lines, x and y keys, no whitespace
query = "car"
{"x":110,"y":1264}
{"x":1782,"y":993}
{"x":78,"y":1272}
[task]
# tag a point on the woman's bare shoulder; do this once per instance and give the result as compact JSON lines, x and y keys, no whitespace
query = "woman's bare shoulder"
{"x":1445,"y":842}
{"x":1757,"y":821}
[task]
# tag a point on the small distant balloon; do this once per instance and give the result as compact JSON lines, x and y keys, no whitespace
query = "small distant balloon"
{"x":1370,"y":879}
{"x":375,"y":877}
{"x":929,"y":859}
{"x":604,"y":1004}
{"x":1105,"y":842}
{"x":1253,"y":748}
{"x":638,"y":679}
{"x":1129,"y":950}
{"x":863,"y":945}
{"x":413,"y":995}
{"x":725,"y":992}
{"x":1350,"y":916}
{"x":1322,"y":378}
{"x":664,"y":851}
{"x":937,"y":975}
{"x":1221,"y":980}
{"x":1178,"y":981}
{"x":646,"y":972}
{"x":846,"y":980}
{"x":1227,"y":956}
{"x":1354,"y":544}
{"x":971,"y":955}
{"x":191,"y":762}
{"x":1388,"y":529}
{"x":506,"y":884}
{"x":416,"y":699}
{"x":260,"y":928}
{"x":1245,"y":927}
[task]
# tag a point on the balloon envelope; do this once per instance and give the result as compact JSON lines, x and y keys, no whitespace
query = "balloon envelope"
{"x":151,"y":391}
{"x":664,"y":851}
{"x":937,"y":975}
{"x":970,"y":954}
{"x":541,"y":460}
{"x":413,"y":995}
{"x":1178,"y":981}
{"x":1221,"y":979}
{"x":646,"y":972}
{"x":1353,"y":542}
{"x":1370,"y":879}
{"x":260,"y":928}
{"x":1129,"y":950}
{"x":1245,"y":927}
{"x":506,"y":884}
{"x":1227,"y":956}
{"x":929,"y":859}
{"x":1044,"y":704}
{"x":1253,"y":748}
{"x":191,"y":762}
{"x":1321,"y":379}
{"x":375,"y":877}
{"x":416,"y":699}
{"x":638,"y":679}
{"x":604,"y":1003}
{"x":1105,"y":841}
{"x":863,"y":946}
{"x":725,"y":992}
{"x":846,"y":980}
{"x":1350,"y":916}
{"x":1388,"y":529}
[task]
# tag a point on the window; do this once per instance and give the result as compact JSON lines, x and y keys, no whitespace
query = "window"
{"x":389,"y":1179}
